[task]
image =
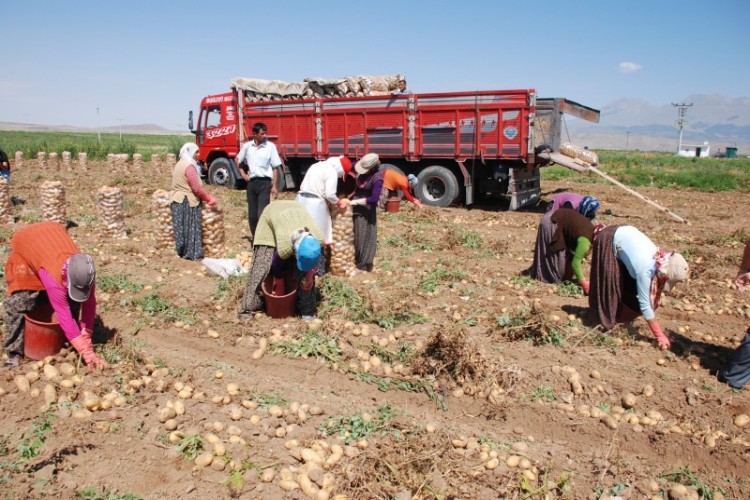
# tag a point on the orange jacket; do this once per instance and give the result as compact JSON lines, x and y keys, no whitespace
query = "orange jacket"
{"x":44,"y":245}
{"x":394,"y":181}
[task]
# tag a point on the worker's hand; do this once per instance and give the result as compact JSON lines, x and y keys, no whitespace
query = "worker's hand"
{"x":308,"y":281}
{"x":741,"y":280}
{"x":359,"y":201}
{"x":418,"y":204}
{"x":212,"y":202}
{"x":342,"y":203}
{"x":586,"y":286}
{"x":662,"y":339}
{"x":279,"y":287}
{"x":274,"y":192}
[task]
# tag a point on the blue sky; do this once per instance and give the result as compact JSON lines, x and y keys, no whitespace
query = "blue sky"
{"x":151,"y":61}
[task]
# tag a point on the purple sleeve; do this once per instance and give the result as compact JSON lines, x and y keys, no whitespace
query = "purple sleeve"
{"x":58,"y":298}
{"x":377,"y":187}
{"x":277,"y":265}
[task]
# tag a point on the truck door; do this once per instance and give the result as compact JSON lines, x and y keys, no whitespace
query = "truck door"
{"x":209,"y":118}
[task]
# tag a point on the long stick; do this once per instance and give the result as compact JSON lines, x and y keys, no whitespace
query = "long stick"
{"x":638,"y":195}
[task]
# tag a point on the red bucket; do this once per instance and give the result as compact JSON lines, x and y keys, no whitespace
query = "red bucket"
{"x":42,"y":335}
{"x":393,"y":204}
{"x":280,"y":306}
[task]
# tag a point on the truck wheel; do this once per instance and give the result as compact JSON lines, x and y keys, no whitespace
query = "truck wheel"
{"x":220,"y":173}
{"x":388,"y":166}
{"x":437,"y":186}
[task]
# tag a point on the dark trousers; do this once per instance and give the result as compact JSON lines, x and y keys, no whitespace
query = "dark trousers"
{"x":258,"y":197}
{"x":737,"y":373}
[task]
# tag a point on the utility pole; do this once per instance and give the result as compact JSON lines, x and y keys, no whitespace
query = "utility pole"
{"x":680,"y":123}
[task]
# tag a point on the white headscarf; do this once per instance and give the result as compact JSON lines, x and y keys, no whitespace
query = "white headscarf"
{"x":187,"y":151}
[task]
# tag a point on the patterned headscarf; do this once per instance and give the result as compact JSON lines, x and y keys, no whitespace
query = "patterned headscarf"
{"x":588,"y":207}
{"x":187,"y":151}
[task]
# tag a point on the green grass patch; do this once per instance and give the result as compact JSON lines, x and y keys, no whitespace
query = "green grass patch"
{"x":93,"y":493}
{"x":361,"y":425}
{"x":312,"y":344}
{"x":113,"y":283}
{"x":440,"y":276}
{"x":340,"y":298}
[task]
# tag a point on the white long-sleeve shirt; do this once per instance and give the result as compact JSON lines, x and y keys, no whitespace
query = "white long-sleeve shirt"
{"x":638,"y":253}
{"x":321,"y":179}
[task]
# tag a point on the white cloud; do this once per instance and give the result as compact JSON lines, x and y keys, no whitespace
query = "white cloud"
{"x":629,"y":67}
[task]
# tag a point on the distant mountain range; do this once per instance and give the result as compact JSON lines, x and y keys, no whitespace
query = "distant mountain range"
{"x":631,"y":124}
{"x":635,"y":124}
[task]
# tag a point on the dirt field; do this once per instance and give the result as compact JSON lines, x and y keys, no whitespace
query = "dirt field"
{"x":443,"y":374}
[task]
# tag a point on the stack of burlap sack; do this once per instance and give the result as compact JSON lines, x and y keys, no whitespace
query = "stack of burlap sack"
{"x":259,"y":90}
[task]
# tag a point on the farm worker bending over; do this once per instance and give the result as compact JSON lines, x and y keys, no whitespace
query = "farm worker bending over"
{"x":563,"y":239}
{"x":4,"y":165}
{"x":285,"y":230}
{"x":261,"y":174}
{"x":628,"y":275}
{"x":318,"y":191}
{"x":365,"y":203}
{"x":586,"y":205}
{"x":187,"y":195}
{"x":737,"y":373}
{"x":44,"y":264}
{"x":394,"y":181}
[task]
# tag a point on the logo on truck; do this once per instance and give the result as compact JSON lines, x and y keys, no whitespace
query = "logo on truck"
{"x":213,"y":133}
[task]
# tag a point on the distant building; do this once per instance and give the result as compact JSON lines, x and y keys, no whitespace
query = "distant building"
{"x":694,"y":151}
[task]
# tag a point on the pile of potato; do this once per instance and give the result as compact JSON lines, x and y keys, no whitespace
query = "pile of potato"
{"x":582,"y":154}
{"x":41,"y":157}
{"x":171,"y":161}
{"x":6,"y":204}
{"x":212,"y":223}
{"x":246,"y":259}
{"x":137,"y":161}
{"x":111,"y":212}
{"x":19,"y":159}
{"x":53,"y":201}
{"x":160,"y":205}
{"x":342,"y":247}
{"x":66,"y":163}
{"x":54,"y":161}
{"x":83,"y":161}
{"x":155,"y":161}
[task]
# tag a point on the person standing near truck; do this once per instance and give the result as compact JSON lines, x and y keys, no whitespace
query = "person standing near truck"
{"x":261,"y":173}
{"x":187,"y":211}
{"x":317,"y":193}
{"x":4,"y":166}
{"x":401,"y":88}
{"x":365,"y":210}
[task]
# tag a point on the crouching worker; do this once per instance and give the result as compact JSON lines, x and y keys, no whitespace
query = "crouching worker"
{"x":45,"y":265}
{"x":285,"y":231}
{"x":628,"y":275}
{"x":737,"y":373}
{"x":393,"y":182}
{"x":563,"y":240}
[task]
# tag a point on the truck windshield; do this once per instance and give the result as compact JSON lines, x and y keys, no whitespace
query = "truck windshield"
{"x":213,"y":117}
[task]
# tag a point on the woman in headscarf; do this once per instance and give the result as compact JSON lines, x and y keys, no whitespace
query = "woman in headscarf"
{"x":393,"y":182}
{"x":586,"y":205}
{"x":364,"y":206}
{"x":284,"y":230}
{"x":563,"y":240}
{"x":629,"y":273}
{"x":187,"y":195}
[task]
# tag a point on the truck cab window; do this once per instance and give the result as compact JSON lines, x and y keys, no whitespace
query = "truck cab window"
{"x":213,"y":117}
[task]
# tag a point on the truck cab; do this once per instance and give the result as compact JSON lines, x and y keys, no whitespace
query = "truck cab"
{"x":217,"y":133}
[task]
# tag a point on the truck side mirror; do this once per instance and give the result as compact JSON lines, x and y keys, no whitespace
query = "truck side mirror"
{"x":190,"y":121}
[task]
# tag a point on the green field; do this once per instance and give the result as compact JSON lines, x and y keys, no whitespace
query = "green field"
{"x":634,"y":168}
{"x":30,"y":143}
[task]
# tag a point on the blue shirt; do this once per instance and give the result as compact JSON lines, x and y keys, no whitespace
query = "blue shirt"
{"x":260,"y":159}
{"x":638,"y":253}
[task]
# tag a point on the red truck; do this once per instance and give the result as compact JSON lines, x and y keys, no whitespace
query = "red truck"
{"x":460,"y":145}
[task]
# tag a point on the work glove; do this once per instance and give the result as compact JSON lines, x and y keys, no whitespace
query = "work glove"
{"x":741,"y":280}
{"x":359,"y":201}
{"x":308,"y":280}
{"x":586,"y":286}
{"x":85,"y":348}
{"x":662,"y":339}
{"x":279,"y":287}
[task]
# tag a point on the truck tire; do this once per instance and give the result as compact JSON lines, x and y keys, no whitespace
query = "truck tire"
{"x":220,"y":173}
{"x":388,"y":166}
{"x":437,"y":186}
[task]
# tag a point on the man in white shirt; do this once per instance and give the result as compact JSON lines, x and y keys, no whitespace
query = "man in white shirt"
{"x":261,"y":172}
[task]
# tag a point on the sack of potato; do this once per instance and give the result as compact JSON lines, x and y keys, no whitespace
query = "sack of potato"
{"x":582,"y":154}
{"x":342,"y":247}
{"x":212,"y":223}
{"x":53,"y":206}
{"x":111,"y":211}
{"x":160,"y":206}
{"x":6,"y":202}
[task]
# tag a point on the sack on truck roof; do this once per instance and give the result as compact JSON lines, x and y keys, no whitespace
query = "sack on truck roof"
{"x":258,"y":90}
